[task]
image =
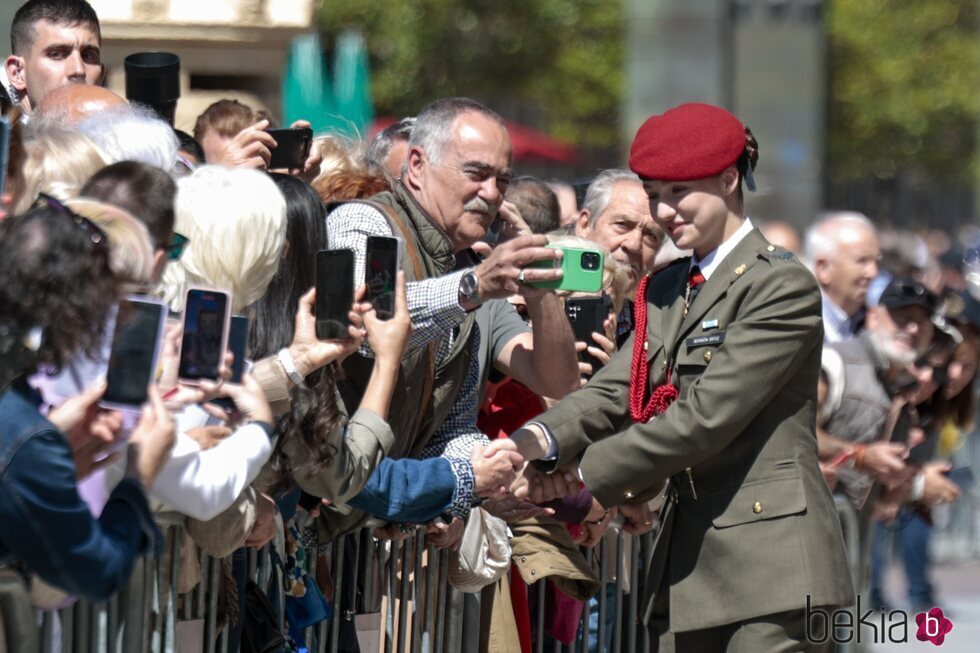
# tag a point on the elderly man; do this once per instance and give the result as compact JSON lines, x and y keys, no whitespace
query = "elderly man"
{"x":54,"y":43}
{"x":389,"y":149}
{"x":841,"y":250}
{"x":457,"y":170}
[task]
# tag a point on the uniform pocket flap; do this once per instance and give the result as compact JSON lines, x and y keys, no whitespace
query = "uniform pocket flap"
{"x":757,"y":501}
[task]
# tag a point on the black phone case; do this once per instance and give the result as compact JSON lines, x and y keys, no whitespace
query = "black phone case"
{"x":292,"y":147}
{"x":344,"y":277}
{"x":586,"y":316}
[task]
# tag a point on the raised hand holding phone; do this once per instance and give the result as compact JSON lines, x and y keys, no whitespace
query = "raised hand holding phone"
{"x":388,"y":338}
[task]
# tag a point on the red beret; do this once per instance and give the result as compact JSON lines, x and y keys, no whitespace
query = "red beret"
{"x":691,"y":141}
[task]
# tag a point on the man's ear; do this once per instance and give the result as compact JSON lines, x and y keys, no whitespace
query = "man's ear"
{"x":101,"y":80}
{"x":822,"y":270}
{"x":582,"y":229}
{"x":415,"y":166}
{"x":15,"y":73}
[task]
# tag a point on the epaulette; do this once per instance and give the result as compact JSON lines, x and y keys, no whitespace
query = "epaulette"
{"x":774,"y":253}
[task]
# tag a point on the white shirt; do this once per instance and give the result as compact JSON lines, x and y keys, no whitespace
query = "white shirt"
{"x":710,"y":263}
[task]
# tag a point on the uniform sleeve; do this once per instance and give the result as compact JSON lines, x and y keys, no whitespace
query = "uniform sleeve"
{"x":777,"y":328}
{"x":57,"y":537}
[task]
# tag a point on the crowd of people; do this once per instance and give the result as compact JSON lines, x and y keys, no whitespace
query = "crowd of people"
{"x":737,"y":382}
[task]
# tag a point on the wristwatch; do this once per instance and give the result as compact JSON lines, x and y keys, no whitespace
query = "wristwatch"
{"x":469,"y":287}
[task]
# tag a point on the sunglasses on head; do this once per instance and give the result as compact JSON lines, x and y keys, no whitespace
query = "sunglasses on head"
{"x":176,"y":247}
{"x":95,"y":234}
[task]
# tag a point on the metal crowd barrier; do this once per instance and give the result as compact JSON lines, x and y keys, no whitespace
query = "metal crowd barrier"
{"x":419,"y":611}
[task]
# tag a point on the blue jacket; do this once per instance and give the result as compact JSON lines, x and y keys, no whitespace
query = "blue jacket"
{"x":45,"y":525}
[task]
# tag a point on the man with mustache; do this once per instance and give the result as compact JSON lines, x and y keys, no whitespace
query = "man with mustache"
{"x":457,"y":170}
{"x":842,"y":252}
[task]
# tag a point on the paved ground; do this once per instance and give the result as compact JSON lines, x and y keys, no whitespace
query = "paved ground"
{"x":958,"y":593}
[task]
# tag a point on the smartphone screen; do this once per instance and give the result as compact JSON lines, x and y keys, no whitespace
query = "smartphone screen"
{"x":206,"y":314}
{"x":292,"y":147}
{"x":135,"y":348}
{"x":381,"y":267}
{"x":334,"y":293}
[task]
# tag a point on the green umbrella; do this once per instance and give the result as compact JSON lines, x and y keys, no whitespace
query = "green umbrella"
{"x":352,"y":82}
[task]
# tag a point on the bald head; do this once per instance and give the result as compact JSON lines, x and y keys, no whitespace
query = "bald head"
{"x":74,"y":102}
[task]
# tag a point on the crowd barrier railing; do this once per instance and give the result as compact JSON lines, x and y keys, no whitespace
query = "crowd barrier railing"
{"x":402,"y":600}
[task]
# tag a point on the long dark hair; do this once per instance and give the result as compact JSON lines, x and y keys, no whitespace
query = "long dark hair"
{"x":314,"y":412}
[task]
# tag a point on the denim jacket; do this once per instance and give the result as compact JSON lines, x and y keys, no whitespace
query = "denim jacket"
{"x":408,"y":490}
{"x":45,"y":525}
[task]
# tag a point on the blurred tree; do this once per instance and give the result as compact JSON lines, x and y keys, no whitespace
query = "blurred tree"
{"x":905,"y":88}
{"x":561,"y":60}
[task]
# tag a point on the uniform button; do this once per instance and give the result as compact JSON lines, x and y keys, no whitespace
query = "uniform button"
{"x":771,"y":248}
{"x":757,"y":507}
{"x":523,"y":559}
{"x":534,"y":573}
{"x":628,"y":494}
{"x":740,"y":269}
{"x":646,"y":345}
{"x":707,"y":357}
{"x":663,"y":365}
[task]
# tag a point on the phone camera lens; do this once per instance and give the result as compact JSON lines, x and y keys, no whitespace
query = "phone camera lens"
{"x":590,"y":261}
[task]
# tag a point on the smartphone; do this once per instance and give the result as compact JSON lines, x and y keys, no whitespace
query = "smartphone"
{"x":587,"y":315}
{"x":207,"y":313}
{"x":581,"y":270}
{"x":334,"y":293}
{"x":384,"y":259}
{"x":237,"y":344}
{"x":136,"y":343}
{"x":962,"y":477}
{"x":292,"y":147}
{"x":4,"y":151}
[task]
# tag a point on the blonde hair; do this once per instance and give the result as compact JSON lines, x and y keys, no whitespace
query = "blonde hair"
{"x":130,"y":248}
{"x":235,"y":220}
{"x":615,"y":275}
{"x":58,"y":162}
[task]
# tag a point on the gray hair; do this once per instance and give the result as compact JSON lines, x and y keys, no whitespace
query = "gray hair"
{"x":821,"y":238}
{"x":132,"y":133}
{"x":433,"y":126}
{"x":379,"y":149}
{"x":599,"y":194}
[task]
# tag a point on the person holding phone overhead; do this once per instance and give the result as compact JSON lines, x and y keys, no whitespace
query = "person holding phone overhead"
{"x":749,"y":535}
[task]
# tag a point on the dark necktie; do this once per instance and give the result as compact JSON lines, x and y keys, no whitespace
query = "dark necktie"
{"x":694,"y":281}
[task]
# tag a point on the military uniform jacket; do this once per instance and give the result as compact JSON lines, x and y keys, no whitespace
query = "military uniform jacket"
{"x":759,"y":531}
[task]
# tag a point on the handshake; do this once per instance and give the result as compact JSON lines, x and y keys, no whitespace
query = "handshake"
{"x":501,"y":471}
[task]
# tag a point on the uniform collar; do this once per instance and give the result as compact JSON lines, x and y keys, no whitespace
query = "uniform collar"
{"x":714,"y":258}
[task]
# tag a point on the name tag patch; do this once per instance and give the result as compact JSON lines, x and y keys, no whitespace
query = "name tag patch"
{"x":705,"y":340}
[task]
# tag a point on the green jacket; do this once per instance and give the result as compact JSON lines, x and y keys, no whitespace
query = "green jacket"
{"x":762,"y":532}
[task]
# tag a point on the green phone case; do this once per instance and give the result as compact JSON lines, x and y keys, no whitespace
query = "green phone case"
{"x":581,"y":270}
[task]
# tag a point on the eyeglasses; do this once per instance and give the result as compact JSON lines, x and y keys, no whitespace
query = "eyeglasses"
{"x":95,"y":234}
{"x":176,"y":247}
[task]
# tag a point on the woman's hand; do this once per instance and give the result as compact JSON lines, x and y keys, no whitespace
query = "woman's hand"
{"x":308,"y":352}
{"x":152,"y":440}
{"x":89,"y":429}
{"x":388,"y":338}
{"x":250,"y":402}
